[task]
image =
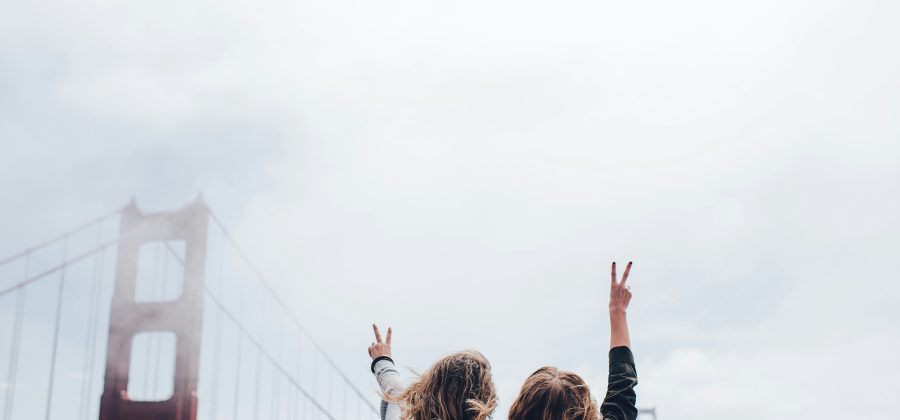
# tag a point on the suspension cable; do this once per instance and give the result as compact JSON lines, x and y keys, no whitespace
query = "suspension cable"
{"x":62,"y":266}
{"x":263,"y":353}
{"x":60,"y":237}
{"x":287,"y":310}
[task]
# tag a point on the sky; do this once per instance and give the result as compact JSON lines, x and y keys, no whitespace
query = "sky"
{"x":466,"y":171}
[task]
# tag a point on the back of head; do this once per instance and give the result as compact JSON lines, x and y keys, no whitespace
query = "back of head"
{"x":456,"y":387}
{"x":553,"y":394}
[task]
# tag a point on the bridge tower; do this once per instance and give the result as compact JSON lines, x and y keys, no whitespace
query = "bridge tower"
{"x":182,"y":316}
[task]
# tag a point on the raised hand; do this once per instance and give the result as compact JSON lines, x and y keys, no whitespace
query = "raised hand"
{"x":619,"y":296}
{"x":619,"y":292}
{"x":380,"y":348}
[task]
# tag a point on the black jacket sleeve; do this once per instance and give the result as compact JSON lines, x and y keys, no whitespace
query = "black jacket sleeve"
{"x":619,"y":403}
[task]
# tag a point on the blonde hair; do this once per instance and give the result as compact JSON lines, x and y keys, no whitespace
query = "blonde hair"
{"x":456,"y":387}
{"x":553,"y":394}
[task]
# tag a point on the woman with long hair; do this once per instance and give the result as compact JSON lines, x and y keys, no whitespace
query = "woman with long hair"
{"x":553,"y":394}
{"x":456,"y":387}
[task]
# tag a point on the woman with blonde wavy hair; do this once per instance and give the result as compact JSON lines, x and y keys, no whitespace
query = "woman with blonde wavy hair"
{"x":553,"y":394}
{"x":456,"y":387}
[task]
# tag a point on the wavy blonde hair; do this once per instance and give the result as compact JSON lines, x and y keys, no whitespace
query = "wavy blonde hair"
{"x":456,"y":387}
{"x":551,"y":394}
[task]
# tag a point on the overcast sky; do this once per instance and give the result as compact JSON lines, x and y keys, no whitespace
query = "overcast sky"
{"x":465,"y":171}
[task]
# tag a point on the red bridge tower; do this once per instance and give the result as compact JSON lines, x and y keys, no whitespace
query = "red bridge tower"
{"x":182,"y":316}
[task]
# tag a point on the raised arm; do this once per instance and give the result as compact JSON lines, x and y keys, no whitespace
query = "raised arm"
{"x":386,"y":373}
{"x":619,"y":403}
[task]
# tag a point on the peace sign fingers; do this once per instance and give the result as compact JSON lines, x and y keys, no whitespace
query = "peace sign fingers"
{"x":619,"y":293}
{"x":380,"y":348}
{"x":614,"y":278}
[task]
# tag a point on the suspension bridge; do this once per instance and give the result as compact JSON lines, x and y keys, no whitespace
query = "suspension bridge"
{"x":121,"y":318}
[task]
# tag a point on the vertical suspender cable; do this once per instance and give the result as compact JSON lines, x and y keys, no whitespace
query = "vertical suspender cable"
{"x":277,"y":387}
{"x":93,"y":344}
{"x":92,"y":313}
{"x":14,"y":347}
{"x":237,"y":368}
{"x":297,"y":400}
{"x":256,"y":393}
{"x":315,"y":388}
{"x":237,"y":378}
{"x":259,"y":358}
{"x":330,"y":386}
{"x":59,"y":301}
{"x":214,"y":403}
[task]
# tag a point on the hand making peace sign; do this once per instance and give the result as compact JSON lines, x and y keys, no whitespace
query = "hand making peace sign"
{"x":379,"y":348}
{"x":619,"y":293}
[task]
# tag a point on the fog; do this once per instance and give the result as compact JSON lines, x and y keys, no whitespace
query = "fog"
{"x":465,"y":172}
